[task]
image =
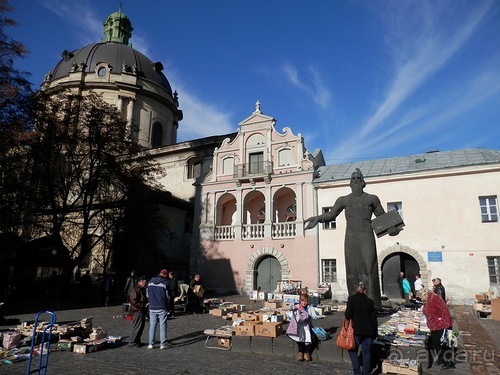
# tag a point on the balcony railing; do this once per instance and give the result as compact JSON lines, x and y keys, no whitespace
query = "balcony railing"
{"x":262,"y":168}
{"x":284,"y":230}
{"x":251,"y":231}
{"x":224,"y":232}
{"x":256,"y":231}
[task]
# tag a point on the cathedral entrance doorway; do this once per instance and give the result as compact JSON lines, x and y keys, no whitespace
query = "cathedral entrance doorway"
{"x":268,"y":273}
{"x":392,"y":265}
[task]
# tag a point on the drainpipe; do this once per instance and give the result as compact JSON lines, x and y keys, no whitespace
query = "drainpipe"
{"x":317,"y":235}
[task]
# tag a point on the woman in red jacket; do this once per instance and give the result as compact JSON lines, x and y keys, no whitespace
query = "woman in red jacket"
{"x":438,"y":320}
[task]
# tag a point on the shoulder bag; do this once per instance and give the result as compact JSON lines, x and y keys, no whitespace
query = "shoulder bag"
{"x":345,"y":339}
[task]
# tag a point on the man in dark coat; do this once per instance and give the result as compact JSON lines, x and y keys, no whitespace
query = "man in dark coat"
{"x":139,"y":309}
{"x":439,"y":288}
{"x":173,"y":291}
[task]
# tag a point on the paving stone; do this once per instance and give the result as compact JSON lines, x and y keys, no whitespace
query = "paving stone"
{"x":328,"y":351}
{"x":262,"y":345}
{"x":284,"y":346}
{"x":242,"y":344}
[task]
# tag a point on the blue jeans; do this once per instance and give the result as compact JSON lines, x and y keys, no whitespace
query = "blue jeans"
{"x":366,"y":351}
{"x":153,"y":320}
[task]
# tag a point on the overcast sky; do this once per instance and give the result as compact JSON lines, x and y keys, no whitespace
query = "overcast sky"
{"x":359,"y":79}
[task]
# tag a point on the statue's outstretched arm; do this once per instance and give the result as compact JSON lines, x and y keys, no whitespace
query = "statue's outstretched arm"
{"x":326,"y":217}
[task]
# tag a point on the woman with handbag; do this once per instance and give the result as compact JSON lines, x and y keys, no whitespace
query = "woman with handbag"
{"x":361,"y":312}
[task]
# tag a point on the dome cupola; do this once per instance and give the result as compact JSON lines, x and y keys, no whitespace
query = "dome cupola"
{"x":117,"y":28}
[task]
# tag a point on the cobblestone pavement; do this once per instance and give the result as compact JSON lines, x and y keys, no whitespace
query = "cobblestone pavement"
{"x":188,"y":354}
{"x":480,"y":339}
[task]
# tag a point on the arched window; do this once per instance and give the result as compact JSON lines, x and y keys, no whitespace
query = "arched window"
{"x":157,"y":135}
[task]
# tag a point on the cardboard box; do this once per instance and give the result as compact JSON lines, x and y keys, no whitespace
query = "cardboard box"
{"x":237,"y":307}
{"x":235,"y":316}
{"x":250,"y":323}
{"x":481,"y":307}
{"x":495,"y":309}
{"x":480,"y":297}
{"x":269,"y":329}
{"x":245,"y":330}
{"x":216,"y":312}
{"x":97,"y":335}
{"x":250,"y":316}
{"x":272,"y":305}
{"x":223,"y":342}
{"x":84,"y":348}
{"x":198,"y":290}
{"x":399,"y":367}
{"x":477,"y":307}
{"x":272,"y":318}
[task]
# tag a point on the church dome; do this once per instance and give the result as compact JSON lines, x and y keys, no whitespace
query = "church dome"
{"x":112,"y":55}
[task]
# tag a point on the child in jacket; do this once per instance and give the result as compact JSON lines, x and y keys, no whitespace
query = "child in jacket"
{"x":300,"y":328}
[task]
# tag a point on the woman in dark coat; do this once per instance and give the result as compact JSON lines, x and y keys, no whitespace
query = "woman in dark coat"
{"x":361,"y":311}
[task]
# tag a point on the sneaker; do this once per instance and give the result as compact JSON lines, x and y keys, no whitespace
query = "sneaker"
{"x":150,"y":346}
{"x":166,"y":346}
{"x":307,"y":357}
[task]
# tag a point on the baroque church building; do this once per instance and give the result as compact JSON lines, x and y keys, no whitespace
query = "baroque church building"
{"x":239,"y":201}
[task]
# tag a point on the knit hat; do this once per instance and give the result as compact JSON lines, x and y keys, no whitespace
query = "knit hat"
{"x":142,"y":278}
{"x":164,"y":272}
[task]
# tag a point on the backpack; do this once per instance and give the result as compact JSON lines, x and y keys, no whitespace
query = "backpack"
{"x":321,"y":333}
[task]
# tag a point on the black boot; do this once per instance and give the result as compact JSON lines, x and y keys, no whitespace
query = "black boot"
{"x":435,"y":360}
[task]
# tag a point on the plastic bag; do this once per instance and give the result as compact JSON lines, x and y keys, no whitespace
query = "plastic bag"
{"x":321,"y":333}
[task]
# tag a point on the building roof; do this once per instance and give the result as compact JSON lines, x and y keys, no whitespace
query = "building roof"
{"x":115,"y":52}
{"x":433,"y":160}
